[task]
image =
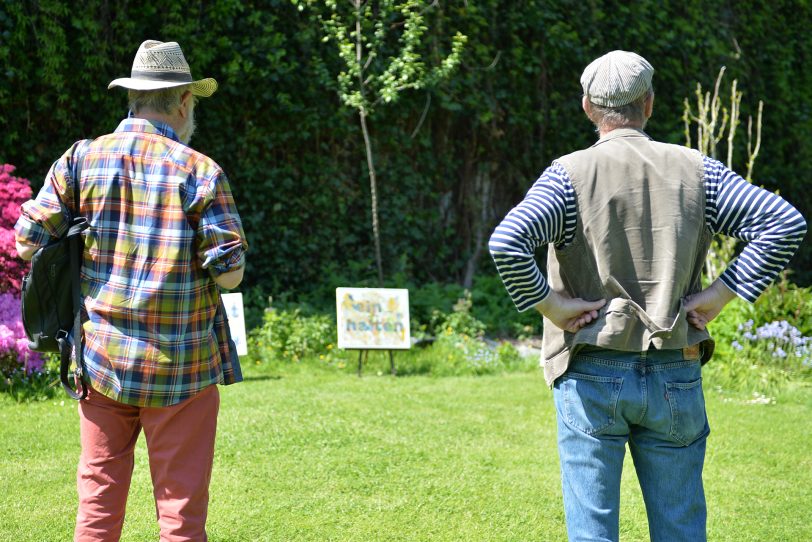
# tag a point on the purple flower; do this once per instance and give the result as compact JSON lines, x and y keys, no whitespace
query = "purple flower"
{"x":12,"y":334}
{"x":779,"y":353}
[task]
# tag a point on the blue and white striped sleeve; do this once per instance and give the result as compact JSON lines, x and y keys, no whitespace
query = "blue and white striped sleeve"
{"x":772,"y":228}
{"x":546,"y":215}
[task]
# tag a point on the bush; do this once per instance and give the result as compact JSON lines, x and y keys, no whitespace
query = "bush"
{"x":291,"y":336}
{"x":488,"y":304}
{"x":459,"y":322}
{"x":13,"y":192}
{"x":288,"y":335}
{"x":27,"y":386}
{"x":18,"y":365}
{"x":492,"y":305}
{"x":761,"y":347}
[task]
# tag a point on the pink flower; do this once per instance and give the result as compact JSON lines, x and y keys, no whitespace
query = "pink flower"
{"x":14,"y":191}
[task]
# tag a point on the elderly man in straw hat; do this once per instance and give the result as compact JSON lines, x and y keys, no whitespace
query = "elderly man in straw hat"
{"x":630,"y":221}
{"x":164,"y":234}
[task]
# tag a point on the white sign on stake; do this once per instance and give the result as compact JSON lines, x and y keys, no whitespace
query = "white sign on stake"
{"x":373,"y":318}
{"x":236,"y":321}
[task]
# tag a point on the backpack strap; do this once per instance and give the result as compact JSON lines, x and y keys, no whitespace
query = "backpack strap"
{"x":76,"y":248}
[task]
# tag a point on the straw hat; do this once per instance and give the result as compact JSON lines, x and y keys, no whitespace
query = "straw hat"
{"x":617,"y":78}
{"x":159,"y":65}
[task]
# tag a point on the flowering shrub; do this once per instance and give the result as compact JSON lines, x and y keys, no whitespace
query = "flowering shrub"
{"x":17,"y":362}
{"x":14,"y":350}
{"x":460,"y":321}
{"x":761,"y":347}
{"x":454,"y":354}
{"x":776,"y":339}
{"x":460,"y":347}
{"x":13,"y":192}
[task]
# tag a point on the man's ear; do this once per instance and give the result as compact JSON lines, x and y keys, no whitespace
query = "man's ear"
{"x":586,"y":105}
{"x":648,"y":108}
{"x":184,"y":103}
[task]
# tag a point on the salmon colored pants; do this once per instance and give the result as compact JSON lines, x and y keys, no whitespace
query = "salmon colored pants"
{"x":180,"y":444}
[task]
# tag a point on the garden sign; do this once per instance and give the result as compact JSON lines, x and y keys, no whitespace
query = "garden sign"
{"x":373,"y":318}
{"x":236,"y":321}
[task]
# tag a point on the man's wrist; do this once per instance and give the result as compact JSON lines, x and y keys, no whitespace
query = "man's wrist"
{"x":548,"y":301}
{"x":723,"y":291}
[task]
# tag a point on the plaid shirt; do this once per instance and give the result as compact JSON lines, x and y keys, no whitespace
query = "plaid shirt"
{"x":162,"y":223}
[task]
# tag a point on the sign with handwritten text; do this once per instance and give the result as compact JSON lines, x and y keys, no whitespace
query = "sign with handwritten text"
{"x":236,"y":321}
{"x":373,"y":318}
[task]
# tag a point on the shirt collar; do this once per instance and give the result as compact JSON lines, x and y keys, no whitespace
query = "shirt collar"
{"x":132,"y":124}
{"x":622,"y":132}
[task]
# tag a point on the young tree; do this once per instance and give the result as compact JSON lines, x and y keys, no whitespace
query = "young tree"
{"x":712,"y":120}
{"x":362,"y":31}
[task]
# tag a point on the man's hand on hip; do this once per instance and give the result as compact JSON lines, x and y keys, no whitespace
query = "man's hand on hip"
{"x":569,"y":313}
{"x":704,"y":306}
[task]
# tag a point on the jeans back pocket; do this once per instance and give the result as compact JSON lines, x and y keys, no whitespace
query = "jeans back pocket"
{"x":688,"y":418}
{"x":587,"y":402}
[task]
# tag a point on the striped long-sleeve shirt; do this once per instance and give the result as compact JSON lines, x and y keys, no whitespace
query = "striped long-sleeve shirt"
{"x":772,"y":228}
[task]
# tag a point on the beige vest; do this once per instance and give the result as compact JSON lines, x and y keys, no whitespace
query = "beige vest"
{"x":640,"y":243}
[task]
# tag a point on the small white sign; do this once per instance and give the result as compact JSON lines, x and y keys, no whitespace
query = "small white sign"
{"x":373,"y":318}
{"x":236,"y":321}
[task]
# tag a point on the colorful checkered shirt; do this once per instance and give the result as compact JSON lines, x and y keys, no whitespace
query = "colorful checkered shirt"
{"x":162,"y":223}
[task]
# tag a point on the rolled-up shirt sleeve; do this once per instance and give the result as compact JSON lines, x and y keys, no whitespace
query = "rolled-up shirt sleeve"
{"x":45,"y":217}
{"x":221,"y":239}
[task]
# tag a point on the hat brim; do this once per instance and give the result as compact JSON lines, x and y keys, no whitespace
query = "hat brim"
{"x":203,"y":87}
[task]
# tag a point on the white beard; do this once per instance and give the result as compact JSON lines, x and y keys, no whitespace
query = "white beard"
{"x":185,"y":135}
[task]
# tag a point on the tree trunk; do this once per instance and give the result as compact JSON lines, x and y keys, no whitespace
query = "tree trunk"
{"x":480,"y":215}
{"x":362,"y":114}
{"x":373,"y":190}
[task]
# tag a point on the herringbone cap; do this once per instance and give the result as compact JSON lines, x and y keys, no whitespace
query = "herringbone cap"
{"x":617,"y":78}
{"x":160,"y":65}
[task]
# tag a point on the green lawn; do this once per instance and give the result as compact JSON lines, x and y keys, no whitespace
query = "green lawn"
{"x":321,"y":456}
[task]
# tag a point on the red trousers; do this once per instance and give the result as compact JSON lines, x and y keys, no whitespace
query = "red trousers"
{"x":180,"y":444}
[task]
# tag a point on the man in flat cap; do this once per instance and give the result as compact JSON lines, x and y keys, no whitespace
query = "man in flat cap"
{"x":630,"y":222}
{"x":164,"y":234}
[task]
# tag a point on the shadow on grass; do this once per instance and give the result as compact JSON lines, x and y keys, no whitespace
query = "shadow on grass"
{"x":260,"y":378}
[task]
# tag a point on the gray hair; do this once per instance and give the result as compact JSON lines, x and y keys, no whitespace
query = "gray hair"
{"x":163,"y":100}
{"x":630,"y":115}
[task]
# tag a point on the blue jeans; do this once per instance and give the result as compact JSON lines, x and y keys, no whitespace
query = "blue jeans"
{"x":652,"y":400}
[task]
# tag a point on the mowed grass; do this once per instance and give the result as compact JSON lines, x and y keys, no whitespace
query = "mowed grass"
{"x":318,"y":456}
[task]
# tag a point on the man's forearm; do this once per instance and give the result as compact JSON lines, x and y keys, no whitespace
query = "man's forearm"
{"x":25,"y":251}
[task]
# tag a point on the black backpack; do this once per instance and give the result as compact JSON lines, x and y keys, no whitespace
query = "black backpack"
{"x":52,"y":300}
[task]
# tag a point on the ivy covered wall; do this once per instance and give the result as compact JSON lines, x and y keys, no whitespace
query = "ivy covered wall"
{"x":451,"y":159}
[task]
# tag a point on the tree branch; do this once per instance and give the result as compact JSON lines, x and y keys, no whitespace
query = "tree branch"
{"x":422,"y":117}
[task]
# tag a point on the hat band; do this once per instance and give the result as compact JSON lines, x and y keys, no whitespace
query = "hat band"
{"x":174,"y":77}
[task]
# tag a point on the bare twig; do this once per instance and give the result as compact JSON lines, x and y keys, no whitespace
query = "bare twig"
{"x":686,"y":118}
{"x":735,"y":101}
{"x":751,"y":155}
{"x":423,"y":116}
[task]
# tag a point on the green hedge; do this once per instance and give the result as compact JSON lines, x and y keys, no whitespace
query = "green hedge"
{"x":296,"y":159}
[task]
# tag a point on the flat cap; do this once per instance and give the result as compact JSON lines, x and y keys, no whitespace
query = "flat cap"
{"x":617,"y":78}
